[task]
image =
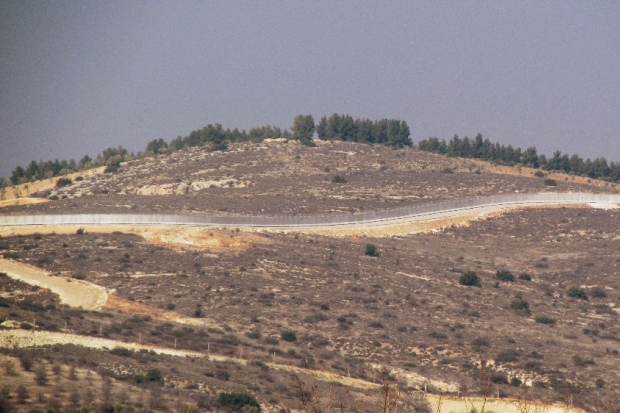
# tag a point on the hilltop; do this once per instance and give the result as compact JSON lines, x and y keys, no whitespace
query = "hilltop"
{"x":285,"y":177}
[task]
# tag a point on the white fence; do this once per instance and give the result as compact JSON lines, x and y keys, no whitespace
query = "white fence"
{"x":317,"y":220}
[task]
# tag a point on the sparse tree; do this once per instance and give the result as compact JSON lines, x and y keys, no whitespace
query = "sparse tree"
{"x":303,"y":128}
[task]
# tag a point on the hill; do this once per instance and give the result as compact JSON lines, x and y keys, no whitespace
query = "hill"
{"x":256,"y":311}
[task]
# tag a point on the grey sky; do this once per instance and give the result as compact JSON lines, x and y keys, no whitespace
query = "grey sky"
{"x":79,"y":76}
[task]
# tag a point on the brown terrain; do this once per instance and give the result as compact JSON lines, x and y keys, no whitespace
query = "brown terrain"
{"x":229,"y":297}
{"x":288,"y":178}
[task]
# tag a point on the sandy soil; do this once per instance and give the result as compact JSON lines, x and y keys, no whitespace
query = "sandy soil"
{"x":22,"y":201}
{"x":449,"y":404}
{"x":117,"y":303}
{"x":19,"y":192}
{"x":74,"y":293}
{"x":189,"y":238}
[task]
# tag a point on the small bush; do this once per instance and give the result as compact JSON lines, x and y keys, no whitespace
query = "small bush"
{"x":376,"y":324}
{"x":41,"y":375}
{"x":121,"y":351}
{"x":62,"y":182}
{"x":550,"y":182}
{"x":26,"y":360}
{"x":470,"y":278}
{"x":22,"y":394}
{"x":515,"y":381}
{"x":371,"y":250}
{"x":337,"y":179}
{"x":575,"y":292}
{"x":520,"y":305}
{"x":79,"y":275}
{"x":237,"y":401}
{"x":438,"y":335}
{"x":112,"y":166}
{"x":498,"y":378}
{"x":507,"y":356}
{"x":581,"y":362}
{"x":151,"y":376}
{"x":544,"y":319}
{"x":504,"y":275}
{"x":80,"y":231}
{"x":525,"y":276}
{"x":480,"y":342}
{"x":254,"y":335}
{"x":598,"y":292}
{"x":539,"y":174}
{"x":222,"y":375}
{"x":288,"y":335}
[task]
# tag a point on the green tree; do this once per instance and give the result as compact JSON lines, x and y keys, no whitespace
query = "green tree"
{"x":576,"y":293}
{"x":303,"y":128}
{"x":157,"y":146}
{"x":237,"y":401}
{"x":288,"y":335}
{"x":470,"y":279}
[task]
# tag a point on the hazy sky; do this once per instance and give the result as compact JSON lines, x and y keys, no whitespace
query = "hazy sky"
{"x":79,"y":76}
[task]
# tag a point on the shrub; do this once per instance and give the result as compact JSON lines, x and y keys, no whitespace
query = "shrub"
{"x":22,"y":394}
{"x":544,"y":319}
{"x":581,"y":362}
{"x":237,"y":401}
{"x":371,"y":250}
{"x":288,"y":335}
{"x":337,"y":179}
{"x":79,"y":275}
{"x":504,"y":275}
{"x":470,"y":278}
{"x":550,"y":182}
{"x":26,"y":360}
{"x":576,"y":293}
{"x":480,"y":341}
{"x":254,"y":335}
{"x":498,"y":378}
{"x":539,"y":174}
{"x":222,"y":375}
{"x":63,"y":182}
{"x":151,"y":376}
{"x":520,"y":305}
{"x":598,"y":292}
{"x":525,"y":276}
{"x":121,"y":351}
{"x":376,"y":324}
{"x":515,"y":381}
{"x":80,"y":231}
{"x":41,"y":375}
{"x":438,"y":335}
{"x":112,"y":166}
{"x":507,"y":356}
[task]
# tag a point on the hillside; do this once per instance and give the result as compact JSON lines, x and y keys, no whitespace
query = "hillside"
{"x":233,"y":298}
{"x":285,"y":177}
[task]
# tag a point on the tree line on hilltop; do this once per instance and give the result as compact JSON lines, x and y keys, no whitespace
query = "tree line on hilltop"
{"x":391,"y":132}
{"x":507,"y":155}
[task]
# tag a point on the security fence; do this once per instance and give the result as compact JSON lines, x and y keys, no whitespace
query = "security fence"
{"x":407,"y":213}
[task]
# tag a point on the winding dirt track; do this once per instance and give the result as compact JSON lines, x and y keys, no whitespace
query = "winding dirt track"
{"x":74,"y":293}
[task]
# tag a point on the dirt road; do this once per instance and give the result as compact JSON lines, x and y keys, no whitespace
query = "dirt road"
{"x":74,"y":293}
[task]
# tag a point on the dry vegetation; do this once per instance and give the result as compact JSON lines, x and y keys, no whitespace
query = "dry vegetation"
{"x":266,"y":309}
{"x":288,"y":178}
